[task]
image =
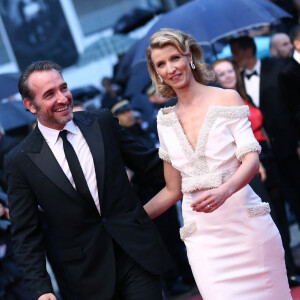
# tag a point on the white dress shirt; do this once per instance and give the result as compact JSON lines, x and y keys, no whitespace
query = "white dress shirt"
{"x":296,"y":56}
{"x":252,"y":84}
{"x":82,"y":150}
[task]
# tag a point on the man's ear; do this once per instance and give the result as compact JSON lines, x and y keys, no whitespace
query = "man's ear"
{"x":273,"y":51}
{"x":296,"y":44}
{"x":29,"y":105}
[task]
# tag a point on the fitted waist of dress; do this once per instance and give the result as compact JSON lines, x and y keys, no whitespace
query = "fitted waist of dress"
{"x":206,"y":181}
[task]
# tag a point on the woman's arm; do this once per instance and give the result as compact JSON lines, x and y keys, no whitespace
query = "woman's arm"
{"x":168,"y":196}
{"x":216,"y":197}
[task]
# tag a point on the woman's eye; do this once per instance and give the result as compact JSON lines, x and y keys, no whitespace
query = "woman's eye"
{"x":160,"y":64}
{"x":176,"y":58}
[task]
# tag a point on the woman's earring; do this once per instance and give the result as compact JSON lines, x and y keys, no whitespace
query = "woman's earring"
{"x":193,"y":65}
{"x":161,"y":80}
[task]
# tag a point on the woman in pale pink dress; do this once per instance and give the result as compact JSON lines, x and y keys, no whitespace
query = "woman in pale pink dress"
{"x":210,"y":155}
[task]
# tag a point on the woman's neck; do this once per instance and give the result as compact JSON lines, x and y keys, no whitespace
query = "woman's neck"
{"x":187,"y":95}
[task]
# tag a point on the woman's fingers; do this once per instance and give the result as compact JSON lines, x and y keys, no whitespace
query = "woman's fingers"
{"x":204,"y":197}
{"x":205,"y":206}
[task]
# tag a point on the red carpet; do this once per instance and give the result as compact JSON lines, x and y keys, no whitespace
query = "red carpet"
{"x":295,"y":295}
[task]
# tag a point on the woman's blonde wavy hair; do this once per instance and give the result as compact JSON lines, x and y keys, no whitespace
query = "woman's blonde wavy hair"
{"x":185,"y":44}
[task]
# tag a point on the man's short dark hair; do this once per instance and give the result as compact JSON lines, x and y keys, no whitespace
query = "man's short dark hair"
{"x":37,"y":66}
{"x":295,"y":33}
{"x":244,"y":42}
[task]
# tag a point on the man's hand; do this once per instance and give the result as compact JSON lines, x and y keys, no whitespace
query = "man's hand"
{"x":298,"y":151}
{"x":262,"y":172}
{"x":47,"y":297}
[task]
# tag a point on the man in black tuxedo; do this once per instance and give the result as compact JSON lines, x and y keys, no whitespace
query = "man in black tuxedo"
{"x":289,"y":84}
{"x":110,"y":249}
{"x":260,"y":78}
{"x":176,"y":280}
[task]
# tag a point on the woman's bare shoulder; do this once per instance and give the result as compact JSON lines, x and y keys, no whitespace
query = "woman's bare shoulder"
{"x":226,"y":97}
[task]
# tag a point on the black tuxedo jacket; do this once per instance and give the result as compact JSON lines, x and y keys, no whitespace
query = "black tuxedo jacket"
{"x":289,"y":84}
{"x":7,"y":143}
{"x":281,"y":134}
{"x":36,"y":179}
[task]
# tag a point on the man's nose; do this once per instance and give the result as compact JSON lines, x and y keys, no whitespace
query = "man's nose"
{"x":62,"y":97}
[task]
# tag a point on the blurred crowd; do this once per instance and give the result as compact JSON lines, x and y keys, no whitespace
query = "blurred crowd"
{"x":269,"y":86}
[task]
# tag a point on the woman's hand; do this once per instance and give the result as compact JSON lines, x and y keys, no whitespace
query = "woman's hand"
{"x":210,"y":200}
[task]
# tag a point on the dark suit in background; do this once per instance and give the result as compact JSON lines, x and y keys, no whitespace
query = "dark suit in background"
{"x":289,"y":84}
{"x":89,"y":242}
{"x":283,"y":140}
{"x":276,"y":122}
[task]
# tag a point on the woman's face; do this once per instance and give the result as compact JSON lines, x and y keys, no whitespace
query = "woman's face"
{"x":172,"y":66}
{"x":226,"y":75}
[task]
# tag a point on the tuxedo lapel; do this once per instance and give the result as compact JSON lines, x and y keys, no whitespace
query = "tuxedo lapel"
{"x":93,"y":136}
{"x":296,"y":68}
{"x":45,"y":160}
{"x":42,"y":156}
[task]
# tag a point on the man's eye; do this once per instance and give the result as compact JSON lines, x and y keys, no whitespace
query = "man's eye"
{"x":49,"y":95}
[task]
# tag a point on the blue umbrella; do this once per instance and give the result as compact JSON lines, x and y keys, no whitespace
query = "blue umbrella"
{"x":9,"y":84}
{"x":262,"y":45}
{"x":210,"y":20}
{"x":13,"y":115}
{"x":138,"y":80}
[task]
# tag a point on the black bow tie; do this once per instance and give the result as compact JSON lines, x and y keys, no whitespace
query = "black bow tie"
{"x":251,"y":74}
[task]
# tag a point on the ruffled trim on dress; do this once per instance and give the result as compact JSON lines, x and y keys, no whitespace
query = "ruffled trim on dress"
{"x":232,"y":112}
{"x":243,"y":150}
{"x":206,"y":181}
{"x":187,"y":230}
{"x":167,"y":116}
{"x":258,"y":210}
{"x":164,"y":155}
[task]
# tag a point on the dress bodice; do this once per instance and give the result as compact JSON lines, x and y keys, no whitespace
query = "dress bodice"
{"x":224,"y":138}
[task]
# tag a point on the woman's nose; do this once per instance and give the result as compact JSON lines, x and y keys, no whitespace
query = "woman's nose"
{"x":170,"y":68}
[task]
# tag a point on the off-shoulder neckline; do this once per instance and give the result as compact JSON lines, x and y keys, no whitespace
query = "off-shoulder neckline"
{"x":171,"y":109}
{"x":214,"y":111}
